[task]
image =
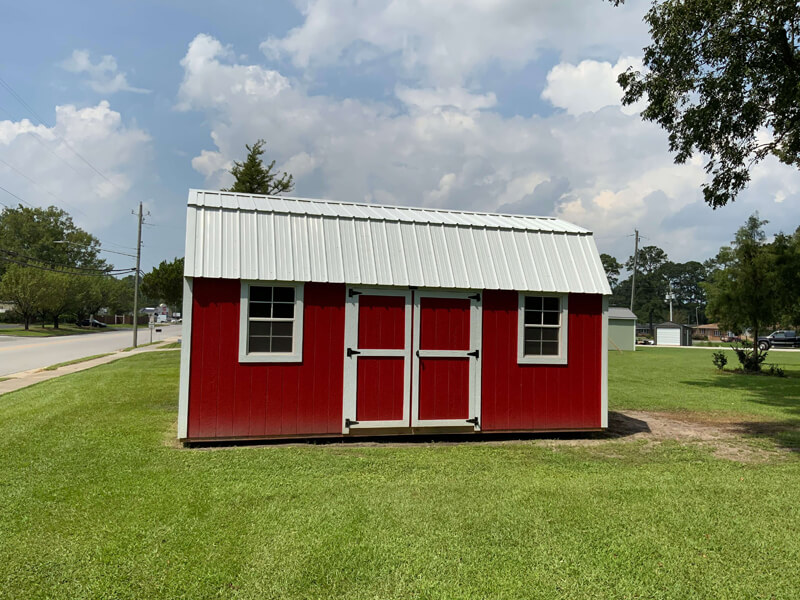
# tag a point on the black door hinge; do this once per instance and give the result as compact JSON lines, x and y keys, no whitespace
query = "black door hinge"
{"x":475,"y":353}
{"x":473,"y":420}
{"x":350,"y":352}
{"x":348,"y":423}
{"x":351,"y":292}
{"x":476,"y":297}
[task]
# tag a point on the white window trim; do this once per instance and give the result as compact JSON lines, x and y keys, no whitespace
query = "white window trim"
{"x":559,"y":359}
{"x":296,"y":355}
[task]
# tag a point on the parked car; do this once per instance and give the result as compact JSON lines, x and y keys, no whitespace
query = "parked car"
{"x":730,"y":338}
{"x":91,"y":323}
{"x":779,"y":339}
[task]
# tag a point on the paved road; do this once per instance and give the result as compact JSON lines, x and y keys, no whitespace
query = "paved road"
{"x":23,"y":353}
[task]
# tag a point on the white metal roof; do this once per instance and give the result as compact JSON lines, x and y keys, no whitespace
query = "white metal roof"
{"x":618,"y":312}
{"x":242,"y":236}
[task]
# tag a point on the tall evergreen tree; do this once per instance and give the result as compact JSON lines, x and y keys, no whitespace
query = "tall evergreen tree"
{"x":252,"y":177}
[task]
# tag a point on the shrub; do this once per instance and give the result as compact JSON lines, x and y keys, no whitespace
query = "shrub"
{"x":776,"y":371}
{"x":720,"y":360}
{"x":750,"y":359}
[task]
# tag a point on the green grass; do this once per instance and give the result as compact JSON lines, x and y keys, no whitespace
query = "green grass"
{"x":171,"y":346}
{"x":129,"y":348}
{"x":76,"y":361}
{"x":4,"y":378}
{"x":96,"y":502}
{"x":63,"y":329}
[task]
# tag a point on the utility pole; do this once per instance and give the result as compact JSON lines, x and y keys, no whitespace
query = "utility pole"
{"x":670,"y":296}
{"x":136,"y":278}
{"x":635,"y":263}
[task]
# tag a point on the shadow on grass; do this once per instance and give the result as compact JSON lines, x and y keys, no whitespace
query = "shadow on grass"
{"x":619,"y":426}
{"x":781,"y":393}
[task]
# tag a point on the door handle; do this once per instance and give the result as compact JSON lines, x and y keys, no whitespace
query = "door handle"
{"x":475,"y":353}
{"x":351,"y":352}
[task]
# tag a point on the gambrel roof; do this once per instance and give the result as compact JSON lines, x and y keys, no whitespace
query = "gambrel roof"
{"x":242,"y":236}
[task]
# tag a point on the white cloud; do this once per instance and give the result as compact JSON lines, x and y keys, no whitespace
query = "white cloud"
{"x":104,"y":76}
{"x":602,"y":169}
{"x":589,"y":86}
{"x":45,"y":167}
{"x":446,"y":40}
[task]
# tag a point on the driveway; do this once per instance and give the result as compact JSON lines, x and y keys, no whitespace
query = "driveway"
{"x":24,"y":353}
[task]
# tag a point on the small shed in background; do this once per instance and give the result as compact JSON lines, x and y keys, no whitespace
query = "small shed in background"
{"x":673,"y":334}
{"x":621,"y":329}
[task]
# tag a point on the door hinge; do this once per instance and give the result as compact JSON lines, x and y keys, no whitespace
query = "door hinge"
{"x":351,"y":292}
{"x":476,"y":297}
{"x":348,"y":423}
{"x":351,"y":352}
{"x":473,"y":420}
{"x":475,"y":353}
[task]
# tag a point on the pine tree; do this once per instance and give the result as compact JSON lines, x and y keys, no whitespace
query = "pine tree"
{"x":252,"y":177}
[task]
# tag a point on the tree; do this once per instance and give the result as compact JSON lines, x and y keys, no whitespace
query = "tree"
{"x":59,"y":290}
{"x":92,"y":294}
{"x":745,"y":292}
{"x":165,"y":283}
{"x":786,"y":249}
{"x":32,"y":233}
{"x":120,"y":299}
{"x":24,"y":287}
{"x":651,"y":258}
{"x":612,"y":268}
{"x":252,"y":177}
{"x":722,"y":78}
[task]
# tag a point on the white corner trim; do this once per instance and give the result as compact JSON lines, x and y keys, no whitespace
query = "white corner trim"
{"x":561,"y":358}
{"x":186,"y":359}
{"x":604,"y":365}
{"x":296,"y":355}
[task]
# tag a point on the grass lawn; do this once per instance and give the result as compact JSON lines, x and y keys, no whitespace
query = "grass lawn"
{"x":97,"y":502}
{"x":63,"y":329}
{"x":75,"y":362}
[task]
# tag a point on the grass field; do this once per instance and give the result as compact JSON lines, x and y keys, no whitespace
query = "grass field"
{"x":75,"y":361}
{"x":97,"y":502}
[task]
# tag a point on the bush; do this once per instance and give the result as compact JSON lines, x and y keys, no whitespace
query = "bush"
{"x":750,"y":359}
{"x":720,"y":360}
{"x":776,"y":371}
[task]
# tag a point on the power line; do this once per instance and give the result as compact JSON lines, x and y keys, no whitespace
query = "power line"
{"x":54,"y":264}
{"x":67,"y":272}
{"x":21,"y":100}
{"x":17,"y":197}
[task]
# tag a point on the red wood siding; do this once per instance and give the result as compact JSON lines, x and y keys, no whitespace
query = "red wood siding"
{"x":518,"y":396}
{"x":229,"y":399}
{"x":381,"y":322}
{"x":444,"y":324}
{"x":443,"y":388}
{"x":380,"y":388}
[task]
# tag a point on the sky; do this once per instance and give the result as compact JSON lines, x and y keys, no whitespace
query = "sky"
{"x":489,"y":105}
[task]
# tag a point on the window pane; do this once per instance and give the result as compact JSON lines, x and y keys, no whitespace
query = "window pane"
{"x":533,"y":334}
{"x":552,"y":303}
{"x":283,"y":294}
{"x":281,"y":344}
{"x":260,"y":309}
{"x":533,"y":317}
{"x":282,"y":328}
{"x":260,"y":293}
{"x":533,"y":348}
{"x":283,"y":311}
{"x":260,"y":328}
{"x":550,"y":318}
{"x":533,"y":303}
{"x":550,"y":335}
{"x":550,"y":348}
{"x":258,"y":344}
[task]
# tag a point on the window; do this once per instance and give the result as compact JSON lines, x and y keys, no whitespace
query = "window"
{"x":542,"y":336}
{"x":271,"y":323}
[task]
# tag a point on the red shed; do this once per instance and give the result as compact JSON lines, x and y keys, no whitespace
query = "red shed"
{"x":308,"y":318}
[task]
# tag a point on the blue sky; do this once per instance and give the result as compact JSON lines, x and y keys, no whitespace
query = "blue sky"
{"x":507,"y":105}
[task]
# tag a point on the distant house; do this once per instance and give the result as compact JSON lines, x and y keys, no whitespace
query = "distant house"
{"x":621,"y":329}
{"x":6,"y":307}
{"x":712,"y":332}
{"x":673,"y":334}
